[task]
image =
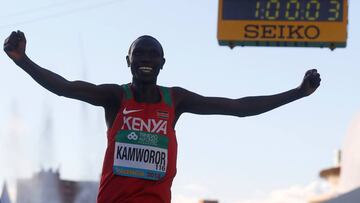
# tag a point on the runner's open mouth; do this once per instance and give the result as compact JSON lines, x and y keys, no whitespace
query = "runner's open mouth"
{"x":146,"y":69}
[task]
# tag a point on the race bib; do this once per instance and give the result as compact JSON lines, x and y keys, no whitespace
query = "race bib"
{"x":140,"y":154}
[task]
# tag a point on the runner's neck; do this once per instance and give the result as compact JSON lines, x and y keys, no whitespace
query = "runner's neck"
{"x":148,"y":93}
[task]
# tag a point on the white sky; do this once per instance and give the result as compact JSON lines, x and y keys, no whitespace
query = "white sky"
{"x":219,"y":157}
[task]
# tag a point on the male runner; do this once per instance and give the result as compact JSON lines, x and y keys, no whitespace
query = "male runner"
{"x":140,"y":160}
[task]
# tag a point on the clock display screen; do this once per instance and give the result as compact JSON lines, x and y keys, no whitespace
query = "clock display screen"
{"x":283,"y":10}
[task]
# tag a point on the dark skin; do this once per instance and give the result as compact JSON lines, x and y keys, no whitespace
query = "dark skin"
{"x":146,"y":60}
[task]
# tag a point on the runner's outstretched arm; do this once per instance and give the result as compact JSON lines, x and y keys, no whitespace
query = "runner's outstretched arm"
{"x":190,"y":102}
{"x":100,"y":95}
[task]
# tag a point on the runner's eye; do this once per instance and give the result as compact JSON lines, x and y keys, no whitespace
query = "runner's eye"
{"x":137,"y":53}
{"x":154,"y":54}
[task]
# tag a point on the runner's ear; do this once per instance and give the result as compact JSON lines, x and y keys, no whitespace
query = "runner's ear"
{"x":162,"y":64}
{"x":128,"y":60}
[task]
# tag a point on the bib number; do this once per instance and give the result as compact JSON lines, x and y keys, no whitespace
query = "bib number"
{"x":140,"y":154}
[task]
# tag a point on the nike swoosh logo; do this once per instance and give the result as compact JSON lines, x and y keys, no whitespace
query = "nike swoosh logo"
{"x":125,"y":111}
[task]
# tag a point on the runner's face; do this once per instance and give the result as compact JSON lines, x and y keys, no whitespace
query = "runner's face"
{"x":145,"y":60}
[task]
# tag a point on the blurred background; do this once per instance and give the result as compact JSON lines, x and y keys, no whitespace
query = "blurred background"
{"x":273,"y":157}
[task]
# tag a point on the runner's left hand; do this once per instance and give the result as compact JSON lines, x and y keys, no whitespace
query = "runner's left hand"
{"x":310,"y":82}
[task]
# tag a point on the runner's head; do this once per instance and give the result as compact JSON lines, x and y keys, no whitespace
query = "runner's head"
{"x":146,"y":59}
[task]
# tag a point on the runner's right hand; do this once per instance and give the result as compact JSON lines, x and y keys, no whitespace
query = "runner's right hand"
{"x":15,"y":45}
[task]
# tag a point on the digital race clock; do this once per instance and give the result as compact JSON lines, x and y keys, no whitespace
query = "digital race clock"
{"x":306,"y":23}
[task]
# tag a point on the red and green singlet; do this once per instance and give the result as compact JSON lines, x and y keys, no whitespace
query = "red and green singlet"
{"x":140,"y":159}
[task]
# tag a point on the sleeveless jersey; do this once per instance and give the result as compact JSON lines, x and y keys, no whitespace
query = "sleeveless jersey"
{"x":140,"y":159}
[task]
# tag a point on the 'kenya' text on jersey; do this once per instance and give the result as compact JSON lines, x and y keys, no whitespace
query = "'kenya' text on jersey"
{"x":140,"y":159}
